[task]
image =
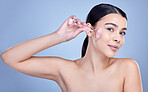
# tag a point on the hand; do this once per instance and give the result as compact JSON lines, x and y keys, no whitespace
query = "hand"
{"x":72,"y":27}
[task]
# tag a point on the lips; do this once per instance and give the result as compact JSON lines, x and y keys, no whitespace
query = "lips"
{"x":114,"y":47}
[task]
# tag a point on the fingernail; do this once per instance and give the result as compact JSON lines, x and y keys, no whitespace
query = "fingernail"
{"x":99,"y":32}
{"x":70,"y":21}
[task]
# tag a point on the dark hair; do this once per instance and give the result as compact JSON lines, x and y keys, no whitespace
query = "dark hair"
{"x":95,"y":14}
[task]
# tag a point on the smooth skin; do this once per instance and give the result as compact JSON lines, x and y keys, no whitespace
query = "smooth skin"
{"x":97,"y":71}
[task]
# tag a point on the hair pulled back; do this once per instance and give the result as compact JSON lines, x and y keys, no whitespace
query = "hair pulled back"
{"x":95,"y":14}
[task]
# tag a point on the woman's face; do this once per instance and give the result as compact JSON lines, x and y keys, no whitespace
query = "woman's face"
{"x":113,"y":27}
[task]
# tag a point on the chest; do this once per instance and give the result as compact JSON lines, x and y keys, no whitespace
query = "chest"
{"x":78,"y":81}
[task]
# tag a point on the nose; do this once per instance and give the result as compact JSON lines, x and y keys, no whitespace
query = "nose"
{"x":117,"y":38}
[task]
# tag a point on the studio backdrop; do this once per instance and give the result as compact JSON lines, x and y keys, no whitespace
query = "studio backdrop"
{"x":22,"y":20}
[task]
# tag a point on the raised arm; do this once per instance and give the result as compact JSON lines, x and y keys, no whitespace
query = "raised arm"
{"x":20,"y":57}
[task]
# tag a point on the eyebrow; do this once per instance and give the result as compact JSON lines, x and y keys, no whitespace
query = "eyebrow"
{"x":115,"y":25}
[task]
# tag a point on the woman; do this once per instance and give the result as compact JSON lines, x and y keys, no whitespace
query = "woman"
{"x":97,"y":70}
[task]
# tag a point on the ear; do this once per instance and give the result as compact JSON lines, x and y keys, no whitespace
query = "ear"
{"x":89,"y":33}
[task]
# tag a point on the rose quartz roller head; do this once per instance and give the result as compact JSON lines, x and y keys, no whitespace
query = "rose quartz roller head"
{"x":99,"y":32}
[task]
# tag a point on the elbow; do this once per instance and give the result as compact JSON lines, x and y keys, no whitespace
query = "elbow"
{"x":4,"y":57}
{"x":9,"y":58}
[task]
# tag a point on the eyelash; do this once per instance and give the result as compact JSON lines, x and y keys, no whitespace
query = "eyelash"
{"x":123,"y":32}
{"x":110,"y":28}
{"x":113,"y":30}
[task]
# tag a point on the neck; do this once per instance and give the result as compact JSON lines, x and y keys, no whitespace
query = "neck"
{"x":94,"y":60}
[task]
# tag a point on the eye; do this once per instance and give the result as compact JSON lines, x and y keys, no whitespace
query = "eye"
{"x":123,"y":33}
{"x":110,"y":29}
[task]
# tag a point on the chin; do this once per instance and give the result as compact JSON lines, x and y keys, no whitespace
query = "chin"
{"x":110,"y":54}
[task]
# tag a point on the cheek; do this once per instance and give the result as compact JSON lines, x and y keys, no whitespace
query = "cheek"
{"x":105,"y":36}
{"x":103,"y":40}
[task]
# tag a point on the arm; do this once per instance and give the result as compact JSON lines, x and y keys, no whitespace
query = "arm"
{"x":132,"y":77}
{"x":20,"y":56}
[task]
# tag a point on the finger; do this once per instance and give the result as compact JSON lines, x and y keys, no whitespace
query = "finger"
{"x":73,"y":17}
{"x":71,"y":20}
{"x":78,"y":21}
{"x":89,"y":25}
{"x":75,"y":21}
{"x":87,"y":28}
{"x":83,"y":23}
{"x":80,"y":25}
{"x":79,"y":31}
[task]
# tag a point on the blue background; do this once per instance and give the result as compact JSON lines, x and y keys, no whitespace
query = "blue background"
{"x":22,"y":20}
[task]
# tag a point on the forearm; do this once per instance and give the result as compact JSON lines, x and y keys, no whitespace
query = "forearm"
{"x":28,"y":48}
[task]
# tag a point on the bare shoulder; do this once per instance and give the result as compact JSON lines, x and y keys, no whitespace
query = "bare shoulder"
{"x":132,"y":76}
{"x":126,"y":64}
